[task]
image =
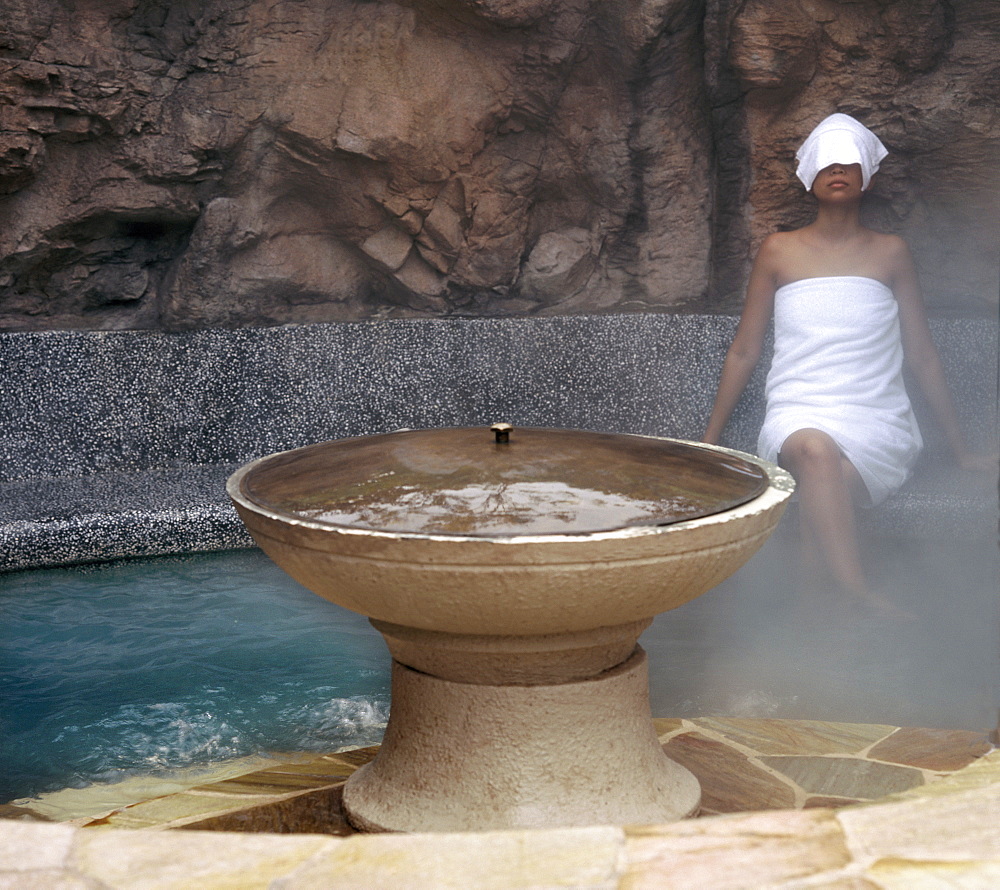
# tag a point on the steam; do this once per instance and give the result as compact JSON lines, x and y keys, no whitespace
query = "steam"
{"x":769,"y":642}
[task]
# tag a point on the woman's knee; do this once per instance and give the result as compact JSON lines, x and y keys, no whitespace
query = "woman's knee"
{"x":810,"y":448}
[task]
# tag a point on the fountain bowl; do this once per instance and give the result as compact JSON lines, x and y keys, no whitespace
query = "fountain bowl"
{"x":511,"y":584}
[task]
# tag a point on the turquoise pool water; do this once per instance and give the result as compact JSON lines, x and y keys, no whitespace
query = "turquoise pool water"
{"x":140,"y":666}
{"x":146,"y":666}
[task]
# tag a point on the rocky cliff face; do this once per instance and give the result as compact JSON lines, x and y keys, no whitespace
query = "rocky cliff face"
{"x":923,"y":74}
{"x":189,"y":163}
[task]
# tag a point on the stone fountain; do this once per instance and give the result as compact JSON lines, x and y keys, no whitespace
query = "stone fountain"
{"x":511,"y":574}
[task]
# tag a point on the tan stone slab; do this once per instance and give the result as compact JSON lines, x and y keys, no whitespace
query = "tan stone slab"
{"x":321,"y":767}
{"x":319,"y":811}
{"x":896,"y":874}
{"x":982,"y":773}
{"x":833,"y":802}
{"x":45,"y":879}
{"x":584,"y":858}
{"x":730,"y":852}
{"x":270,"y":783}
{"x":796,"y":736}
{"x":934,"y":749}
{"x":355,"y":758}
{"x":730,"y":783}
{"x":846,"y":776}
{"x":171,"y":810}
{"x":195,"y":859}
{"x":840,"y":882}
{"x":961,"y":825}
{"x":9,"y":811}
{"x":96,"y":801}
{"x":665,"y":725}
{"x":32,"y":846}
{"x":260,"y":790}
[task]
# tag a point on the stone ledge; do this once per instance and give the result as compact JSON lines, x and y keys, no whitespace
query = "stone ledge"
{"x":743,"y":764}
{"x":114,"y":515}
{"x":165,"y":512}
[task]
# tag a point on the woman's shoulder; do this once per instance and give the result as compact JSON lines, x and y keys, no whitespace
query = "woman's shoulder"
{"x":780,"y":244}
{"x":789,"y":242}
{"x":781,"y":255}
{"x":883,"y":237}
{"x":890,"y":255}
{"x":886,"y":244}
{"x":783,"y":238}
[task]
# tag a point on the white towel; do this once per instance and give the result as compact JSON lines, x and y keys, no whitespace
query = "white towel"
{"x":839,"y":139}
{"x":837,"y":367}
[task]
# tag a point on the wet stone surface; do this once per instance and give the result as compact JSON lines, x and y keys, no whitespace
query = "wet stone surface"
{"x":933,"y":749}
{"x":730,"y":781}
{"x":820,"y":764}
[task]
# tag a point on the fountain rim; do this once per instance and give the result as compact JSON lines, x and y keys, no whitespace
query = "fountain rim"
{"x":779,"y":481}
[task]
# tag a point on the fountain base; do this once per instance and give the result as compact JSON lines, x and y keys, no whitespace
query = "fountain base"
{"x":476,"y":757}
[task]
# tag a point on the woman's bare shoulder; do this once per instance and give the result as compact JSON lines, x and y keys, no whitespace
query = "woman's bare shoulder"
{"x":785,"y":239}
{"x":778,"y":245}
{"x":891,"y":247}
{"x":781,"y":256}
{"x":892,"y":257}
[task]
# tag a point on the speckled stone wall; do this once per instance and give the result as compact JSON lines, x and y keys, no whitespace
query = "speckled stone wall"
{"x":79,"y":403}
{"x":118,"y":443}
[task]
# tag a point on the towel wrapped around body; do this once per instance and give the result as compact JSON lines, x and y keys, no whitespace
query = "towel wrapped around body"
{"x":837,"y":367}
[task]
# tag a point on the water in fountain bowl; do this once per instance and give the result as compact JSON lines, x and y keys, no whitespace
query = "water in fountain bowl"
{"x":525,"y":507}
{"x":540,"y":482}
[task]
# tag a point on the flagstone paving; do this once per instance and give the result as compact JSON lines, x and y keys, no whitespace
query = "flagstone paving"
{"x":786,"y":804}
{"x":743,"y":765}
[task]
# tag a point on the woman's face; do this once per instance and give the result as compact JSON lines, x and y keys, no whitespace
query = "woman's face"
{"x":838,"y":181}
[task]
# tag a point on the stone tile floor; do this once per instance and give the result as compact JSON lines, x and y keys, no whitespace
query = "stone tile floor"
{"x":743,"y":765}
{"x":786,"y":804}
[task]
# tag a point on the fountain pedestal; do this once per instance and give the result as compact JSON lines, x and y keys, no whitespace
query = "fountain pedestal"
{"x":502,"y":732}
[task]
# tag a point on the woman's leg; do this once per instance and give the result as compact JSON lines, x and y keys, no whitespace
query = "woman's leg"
{"x":829,"y":485}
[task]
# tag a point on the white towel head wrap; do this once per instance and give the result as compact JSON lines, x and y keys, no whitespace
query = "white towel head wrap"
{"x":839,"y":139}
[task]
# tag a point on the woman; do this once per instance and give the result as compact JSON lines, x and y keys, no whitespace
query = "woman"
{"x":847,"y":311}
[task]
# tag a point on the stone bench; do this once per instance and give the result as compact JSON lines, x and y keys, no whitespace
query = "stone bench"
{"x":119,"y":443}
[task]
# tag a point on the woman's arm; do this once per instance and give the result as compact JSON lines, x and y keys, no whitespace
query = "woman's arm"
{"x":748,"y":341}
{"x":922,"y":356}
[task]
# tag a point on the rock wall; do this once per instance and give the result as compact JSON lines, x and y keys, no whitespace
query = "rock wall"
{"x":924,"y":74}
{"x":193,"y":163}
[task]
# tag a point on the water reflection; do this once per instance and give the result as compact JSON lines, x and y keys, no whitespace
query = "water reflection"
{"x":499,"y":508}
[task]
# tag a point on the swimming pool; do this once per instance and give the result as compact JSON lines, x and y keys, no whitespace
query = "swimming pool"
{"x":145,"y":666}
